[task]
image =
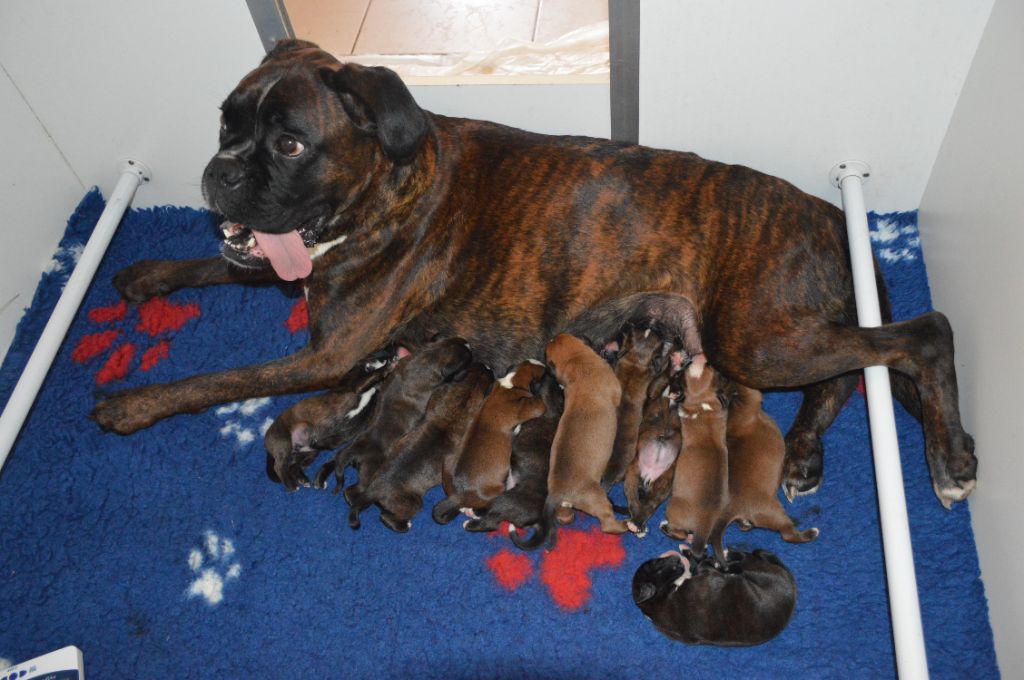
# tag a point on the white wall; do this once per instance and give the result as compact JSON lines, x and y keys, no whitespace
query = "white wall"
{"x":972,"y":232}
{"x":116,"y":78}
{"x":38,"y":191}
{"x":791,"y":87}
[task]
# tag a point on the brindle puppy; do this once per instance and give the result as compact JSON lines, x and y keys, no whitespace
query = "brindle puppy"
{"x":747,"y":602}
{"x":324,"y":422}
{"x":522,"y":505}
{"x":756,"y":452}
{"x":639,"y":361}
{"x":651,"y":473}
{"x":480,"y":472}
{"x":414,"y":464}
{"x":700,"y":489}
{"x":583,"y":441}
{"x":398,"y":408}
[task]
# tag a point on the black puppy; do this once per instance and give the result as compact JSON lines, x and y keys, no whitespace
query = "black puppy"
{"x":415,"y":460}
{"x":398,"y":408}
{"x":747,"y":602}
{"x":523,"y":503}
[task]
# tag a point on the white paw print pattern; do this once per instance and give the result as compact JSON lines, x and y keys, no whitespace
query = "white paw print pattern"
{"x":896,"y":242}
{"x":217,"y":555}
{"x":242,"y":420}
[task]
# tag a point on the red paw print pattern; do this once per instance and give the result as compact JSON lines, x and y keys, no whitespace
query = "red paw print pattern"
{"x":565,"y":571}
{"x":158,"y":318}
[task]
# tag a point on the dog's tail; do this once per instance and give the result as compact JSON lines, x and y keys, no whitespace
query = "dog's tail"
{"x":716,"y":540}
{"x":544,"y":532}
{"x":447,"y":510}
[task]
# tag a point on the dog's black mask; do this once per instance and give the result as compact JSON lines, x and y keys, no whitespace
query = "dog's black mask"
{"x":299,"y":138}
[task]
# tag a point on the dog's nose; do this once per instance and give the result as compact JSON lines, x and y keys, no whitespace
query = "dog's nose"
{"x":227,"y":171}
{"x":231,"y":175}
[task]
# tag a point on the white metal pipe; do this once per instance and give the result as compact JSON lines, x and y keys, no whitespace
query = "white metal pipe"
{"x":133,"y":173}
{"x":904,"y":608}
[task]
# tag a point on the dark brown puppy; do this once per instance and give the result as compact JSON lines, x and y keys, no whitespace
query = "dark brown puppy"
{"x":584,"y":438}
{"x":640,"y":360}
{"x":324,"y":422}
{"x":700,"y":488}
{"x":522,"y":505}
{"x":650,"y":475}
{"x":414,"y":464}
{"x":408,"y":212}
{"x":747,"y":602}
{"x":756,"y":452}
{"x":398,"y":408}
{"x":480,"y":472}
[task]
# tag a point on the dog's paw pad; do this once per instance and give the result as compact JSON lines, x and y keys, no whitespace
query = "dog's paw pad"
{"x":213,"y":566}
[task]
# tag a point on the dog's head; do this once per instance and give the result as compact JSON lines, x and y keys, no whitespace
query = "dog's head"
{"x":300,"y":138}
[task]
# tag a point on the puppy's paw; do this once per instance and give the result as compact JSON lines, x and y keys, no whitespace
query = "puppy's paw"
{"x":957,"y":478}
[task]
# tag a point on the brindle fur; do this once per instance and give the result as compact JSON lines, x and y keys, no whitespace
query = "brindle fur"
{"x":506,"y":238}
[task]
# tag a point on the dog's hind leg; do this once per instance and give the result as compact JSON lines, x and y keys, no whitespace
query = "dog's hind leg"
{"x":795,"y":352}
{"x":804,"y":451}
{"x":594,"y":501}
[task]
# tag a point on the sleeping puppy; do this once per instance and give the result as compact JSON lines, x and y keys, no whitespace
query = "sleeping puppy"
{"x":583,"y":441}
{"x":747,"y":602}
{"x":639,"y":361}
{"x":414,"y":462}
{"x":700,"y":489}
{"x":325,"y":421}
{"x":480,"y":472}
{"x":399,"y":407}
{"x":523,"y":503}
{"x":756,"y":453}
{"x":650,"y":475}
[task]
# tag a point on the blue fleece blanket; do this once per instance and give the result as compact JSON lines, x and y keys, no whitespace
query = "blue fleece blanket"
{"x":169,"y":553}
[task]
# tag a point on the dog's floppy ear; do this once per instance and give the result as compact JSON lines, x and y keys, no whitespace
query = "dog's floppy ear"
{"x":642,"y":592}
{"x":379,"y":103}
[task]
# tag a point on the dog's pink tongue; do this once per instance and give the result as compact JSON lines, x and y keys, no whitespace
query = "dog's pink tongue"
{"x":287,"y":254}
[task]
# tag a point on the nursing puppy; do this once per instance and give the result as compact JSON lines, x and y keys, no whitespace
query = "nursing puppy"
{"x":639,"y":361}
{"x":325,"y":421}
{"x":583,"y":441}
{"x":522,"y":505}
{"x":748,"y":602}
{"x":400,"y":404}
{"x":700,"y":489}
{"x":414,"y":464}
{"x":480,"y":472}
{"x":756,"y":454}
{"x":650,"y":475}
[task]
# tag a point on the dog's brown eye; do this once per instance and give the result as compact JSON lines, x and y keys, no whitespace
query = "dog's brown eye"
{"x":289,"y":146}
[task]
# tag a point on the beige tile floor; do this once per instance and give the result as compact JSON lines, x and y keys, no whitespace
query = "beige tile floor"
{"x":356,"y":27}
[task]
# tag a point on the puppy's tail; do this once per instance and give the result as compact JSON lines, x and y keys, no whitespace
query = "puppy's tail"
{"x":716,"y":540}
{"x":545,"y":531}
{"x":447,"y":510}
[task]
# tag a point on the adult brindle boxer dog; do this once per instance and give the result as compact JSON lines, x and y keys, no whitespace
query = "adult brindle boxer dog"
{"x":504,"y":237}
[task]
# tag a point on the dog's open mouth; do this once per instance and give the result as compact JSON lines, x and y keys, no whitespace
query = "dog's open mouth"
{"x":287,"y":253}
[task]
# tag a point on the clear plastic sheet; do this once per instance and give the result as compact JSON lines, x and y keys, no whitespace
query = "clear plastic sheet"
{"x":582,"y":53}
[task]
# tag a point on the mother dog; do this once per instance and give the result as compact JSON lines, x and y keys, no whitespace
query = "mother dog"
{"x":504,"y":238}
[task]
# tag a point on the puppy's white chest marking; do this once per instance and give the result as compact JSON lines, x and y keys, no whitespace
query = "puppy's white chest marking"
{"x":364,"y":399}
{"x":706,"y":406}
{"x":506,"y":382}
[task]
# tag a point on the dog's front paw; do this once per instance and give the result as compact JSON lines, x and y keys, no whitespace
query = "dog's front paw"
{"x":141,"y":281}
{"x":124,"y":413}
{"x":801,"y":472}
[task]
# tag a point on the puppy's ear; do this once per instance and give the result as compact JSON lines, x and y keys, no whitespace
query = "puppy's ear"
{"x":379,"y":103}
{"x":642,"y":592}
